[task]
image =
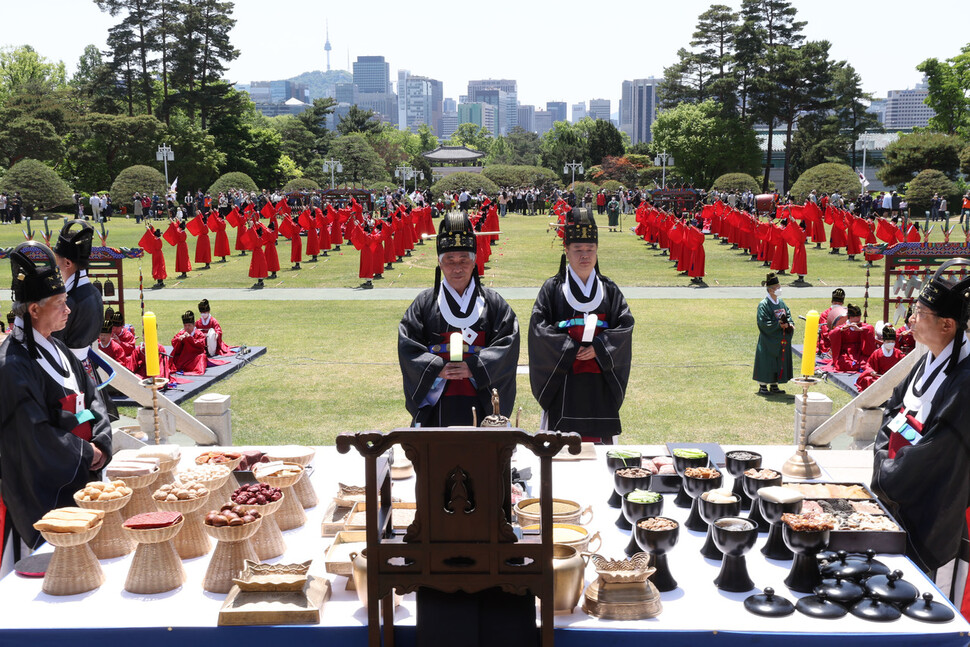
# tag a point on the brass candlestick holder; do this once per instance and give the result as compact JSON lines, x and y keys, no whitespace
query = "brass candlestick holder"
{"x":155,"y":383}
{"x":801,"y":465}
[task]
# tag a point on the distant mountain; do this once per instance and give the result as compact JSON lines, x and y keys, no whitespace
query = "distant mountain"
{"x":321,"y":84}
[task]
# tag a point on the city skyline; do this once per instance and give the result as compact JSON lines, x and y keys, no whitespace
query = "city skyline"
{"x":576,"y":71}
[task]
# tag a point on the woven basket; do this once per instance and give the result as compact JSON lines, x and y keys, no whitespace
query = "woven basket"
{"x":230,"y":556}
{"x":282,"y":481}
{"x":156,"y":566}
{"x":268,"y":540}
{"x":302,"y":456}
{"x":111,"y":542}
{"x":166,"y":471}
{"x":141,"y":494}
{"x":73,"y":567}
{"x":191,"y":541}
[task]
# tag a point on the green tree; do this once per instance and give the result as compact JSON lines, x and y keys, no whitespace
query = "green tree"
{"x":714,"y":36}
{"x":103,"y":145}
{"x":705,"y":143}
{"x":38,"y":185}
{"x":138,"y":179}
{"x":297,"y":141}
{"x":826,"y":178}
{"x":519,"y":147}
{"x":819,"y":139}
{"x":30,"y":137}
{"x":850,"y":103}
{"x":233,"y":180}
{"x":314,"y":119}
{"x":949,"y":93}
{"x":473,"y":182}
{"x":197,"y":160}
{"x":965,"y":160}
{"x":564,"y":143}
{"x":300,"y":184}
{"x":24,"y":71}
{"x":473,"y":136}
{"x":504,"y":175}
{"x":912,"y":153}
{"x":930,"y":182}
{"x":736,"y":182}
{"x":358,"y":121}
{"x":603,"y":140}
{"x":251,"y":145}
{"x":136,"y":37}
{"x":359,"y":160}
{"x":94,"y":82}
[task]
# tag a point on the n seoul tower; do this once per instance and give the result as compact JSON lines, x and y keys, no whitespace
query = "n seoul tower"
{"x":327,"y":46}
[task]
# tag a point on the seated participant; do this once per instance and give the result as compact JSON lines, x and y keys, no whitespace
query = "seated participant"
{"x":213,"y":331}
{"x":830,"y":318}
{"x":110,"y":347}
{"x":904,"y":336}
{"x":881,"y":360}
{"x":852,"y":343}
{"x":123,"y":334}
{"x":188,"y":348}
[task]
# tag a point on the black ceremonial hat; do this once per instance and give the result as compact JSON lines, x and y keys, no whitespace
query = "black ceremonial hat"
{"x":188,"y":317}
{"x":853,"y":310}
{"x":74,"y":241}
{"x":888,"y":332}
{"x":945,"y":297}
{"x":770,"y":280}
{"x":456,"y":234}
{"x":35,"y":273}
{"x":838,"y":294}
{"x":580,"y":227}
{"x":118,"y":319}
{"x":106,"y":325}
{"x":204,"y":305}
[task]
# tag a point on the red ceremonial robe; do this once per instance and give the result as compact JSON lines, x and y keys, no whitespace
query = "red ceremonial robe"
{"x":254,"y":243}
{"x":336,"y":232}
{"x":269,"y":238}
{"x":323,"y":224}
{"x":203,"y":246}
{"x":814,"y":215}
{"x":695,"y":242}
{"x":309,"y":224}
{"x":904,"y":340}
{"x":491,"y":222}
{"x":851,"y":347}
{"x":221,"y":347}
{"x":837,"y":237}
{"x":291,"y":229}
{"x":116,"y":352}
{"x":855,"y":230}
{"x":876,"y":367}
{"x":151,"y":242}
{"x":779,"y":259}
{"x":166,"y":368}
{"x":795,"y":237}
{"x":125,"y":338}
{"x":188,"y":352}
{"x":217,"y":225}
{"x":182,"y":263}
{"x":359,"y":239}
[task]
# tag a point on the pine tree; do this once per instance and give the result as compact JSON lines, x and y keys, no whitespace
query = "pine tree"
{"x":139,"y":41}
{"x":714,"y":35}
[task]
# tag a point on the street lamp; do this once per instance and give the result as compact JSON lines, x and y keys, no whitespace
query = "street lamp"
{"x":405,"y":172}
{"x":573,"y":166}
{"x":663,"y":160}
{"x":332,"y":165}
{"x":166,"y":155}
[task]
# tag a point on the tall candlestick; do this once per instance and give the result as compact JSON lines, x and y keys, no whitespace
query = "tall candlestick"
{"x":455,"y":347}
{"x":811,"y":342}
{"x":151,"y":344}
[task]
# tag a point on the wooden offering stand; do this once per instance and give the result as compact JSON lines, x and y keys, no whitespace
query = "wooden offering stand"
{"x":461,"y":540}
{"x":230,"y":556}
{"x":73,"y":567}
{"x":111,"y":541}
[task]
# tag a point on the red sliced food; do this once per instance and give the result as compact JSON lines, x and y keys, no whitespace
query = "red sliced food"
{"x":149,"y":520}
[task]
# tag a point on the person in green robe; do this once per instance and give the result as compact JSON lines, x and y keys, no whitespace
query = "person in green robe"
{"x":773,"y":358}
{"x":613,"y":213}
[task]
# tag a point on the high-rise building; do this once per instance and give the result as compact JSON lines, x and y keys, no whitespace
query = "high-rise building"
{"x":527,"y":118}
{"x":449,"y":124}
{"x":437,"y":104}
{"x":479,"y":113}
{"x":416,"y":101}
{"x":599,"y":109}
{"x":638,"y":108}
{"x":544,"y":121}
{"x":907,"y":108}
{"x":501,"y":93}
{"x":346,"y":93}
{"x":372,"y":76}
{"x":557,"y":109}
{"x":449,"y":105}
{"x":277,"y":91}
{"x":579,"y":111}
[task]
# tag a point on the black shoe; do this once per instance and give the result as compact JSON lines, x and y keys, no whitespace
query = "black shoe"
{"x":780,"y":272}
{"x":272,"y":276}
{"x":774,"y":390}
{"x":851,"y":257}
{"x":296,"y":267}
{"x":183,"y":275}
{"x":766,"y":264}
{"x":834,"y":250}
{"x":389,"y":266}
{"x":313,"y":259}
{"x":207,"y":266}
{"x":223,"y":260}
{"x":325,"y":253}
{"x":762,"y":390}
{"x":367,"y":285}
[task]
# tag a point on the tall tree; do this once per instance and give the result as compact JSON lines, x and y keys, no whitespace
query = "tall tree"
{"x":122,"y":50}
{"x":139,"y":21}
{"x":315,"y":118}
{"x":564,"y":143}
{"x":949,"y":93}
{"x":23,"y":70}
{"x":713,"y":42}
{"x":359,"y":160}
{"x":850,"y":104}
{"x":358,"y":120}
{"x":604,"y":140}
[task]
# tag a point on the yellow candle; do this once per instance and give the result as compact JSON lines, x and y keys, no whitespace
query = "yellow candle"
{"x":151,"y":343}
{"x":455,"y":347}
{"x":811,"y":342}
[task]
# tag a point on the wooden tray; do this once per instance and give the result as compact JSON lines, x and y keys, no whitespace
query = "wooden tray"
{"x":276,"y":608}
{"x":333,"y":519}
{"x":337,"y":560}
{"x":402,"y":514}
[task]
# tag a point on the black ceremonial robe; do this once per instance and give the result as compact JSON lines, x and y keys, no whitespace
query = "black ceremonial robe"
{"x":927,"y":485}
{"x":492,"y":367}
{"x":584,"y":397}
{"x":87,"y":315}
{"x":42,"y":464}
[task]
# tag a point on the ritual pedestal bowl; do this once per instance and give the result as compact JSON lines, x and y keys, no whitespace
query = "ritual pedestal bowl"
{"x":710,"y":512}
{"x":751,"y":486}
{"x":191,"y":541}
{"x":735,"y":463}
{"x":111,"y":541}
{"x":633,"y":511}
{"x":141,"y":494}
{"x":804,"y":575}
{"x":290,"y":515}
{"x":734,"y":536}
{"x":658,"y":542}
{"x":302,"y":456}
{"x":682,"y":500}
{"x":156,"y":566}
{"x":268,"y":541}
{"x":231,"y":553}
{"x":695,"y":486}
{"x":615,"y":459}
{"x":73,"y":567}
{"x":626,"y":480}
{"x":775,"y":547}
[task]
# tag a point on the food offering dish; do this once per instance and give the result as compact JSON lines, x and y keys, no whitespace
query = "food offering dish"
{"x":698,"y":480}
{"x":626,"y":480}
{"x":272,"y":577}
{"x":228,"y":458}
{"x":774,"y":502}
{"x":685,"y":457}
{"x":734,"y":536}
{"x":736,"y":463}
{"x":615,"y":459}
{"x":637,"y":505}
{"x":527,"y":512}
{"x":156,"y":566}
{"x":73,"y":567}
{"x":232,"y":526}
{"x":656,"y":536}
{"x":752,"y":480}
{"x":268,"y":541}
{"x":712,"y":505}
{"x":283,"y":475}
{"x":806,"y":537}
{"x":402,"y":515}
{"x":860,"y":521}
{"x":110,"y":498}
{"x":187,"y":498}
{"x":665,"y":478}
{"x":168,"y":459}
{"x":302,"y":456}
{"x":140,"y":476}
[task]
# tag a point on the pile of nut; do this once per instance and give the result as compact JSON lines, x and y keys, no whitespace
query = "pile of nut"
{"x":101,"y":491}
{"x":203,"y":473}
{"x":231,"y":515}
{"x":216,"y":457}
{"x":657,"y":523}
{"x":184,"y":491}
{"x":256,"y":494}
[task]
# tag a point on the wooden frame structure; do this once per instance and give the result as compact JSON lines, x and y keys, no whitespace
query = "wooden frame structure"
{"x":462,"y":537}
{"x":913,"y":260}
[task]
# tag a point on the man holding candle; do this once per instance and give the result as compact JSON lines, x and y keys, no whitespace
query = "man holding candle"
{"x":580,"y":340}
{"x":921,"y":466}
{"x":54,"y":431}
{"x":458,"y":340}
{"x":772,"y":358}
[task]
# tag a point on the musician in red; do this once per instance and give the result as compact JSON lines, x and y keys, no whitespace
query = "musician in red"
{"x":213,"y":331}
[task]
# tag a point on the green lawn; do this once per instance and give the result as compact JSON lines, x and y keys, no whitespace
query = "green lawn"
{"x":526,"y":254}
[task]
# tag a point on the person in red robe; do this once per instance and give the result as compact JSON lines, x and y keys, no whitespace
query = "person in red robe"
{"x":795,"y":237}
{"x":814,"y":216}
{"x":270,"y":236}
{"x":838,"y":301}
{"x":881,"y":360}
{"x":855,"y":231}
{"x":323,"y":224}
{"x":253,"y":239}
{"x":165,"y":367}
{"x":110,"y":347}
{"x":336,"y":228}
{"x":852,"y":343}
{"x":779,"y":246}
{"x":289,"y":228}
{"x":695,"y":242}
{"x":203,"y":246}
{"x":837,"y":238}
{"x":309,"y":224}
{"x":215,"y":346}
{"x":189,"y":348}
{"x":217,"y":225}
{"x":361,"y":242}
{"x":123,"y":335}
{"x":151,"y":242}
{"x":177,"y":237}
{"x":241,"y":224}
